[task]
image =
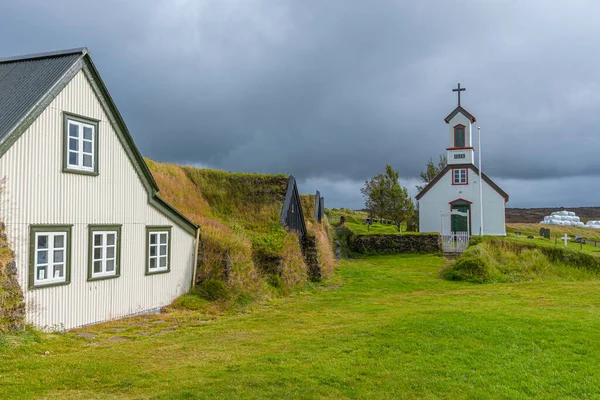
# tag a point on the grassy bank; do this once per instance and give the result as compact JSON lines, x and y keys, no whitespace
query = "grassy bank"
{"x":387,"y":327}
{"x":515,"y":259}
{"x":245,"y":253}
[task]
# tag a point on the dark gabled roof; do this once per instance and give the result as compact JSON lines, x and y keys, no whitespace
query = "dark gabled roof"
{"x":454,"y":166}
{"x":461,"y":110}
{"x":26,"y":79}
{"x":29,"y":83}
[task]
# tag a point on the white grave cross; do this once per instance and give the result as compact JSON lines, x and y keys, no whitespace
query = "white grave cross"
{"x":566,"y":238}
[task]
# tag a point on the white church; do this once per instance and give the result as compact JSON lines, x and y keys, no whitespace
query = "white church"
{"x":457,"y":187}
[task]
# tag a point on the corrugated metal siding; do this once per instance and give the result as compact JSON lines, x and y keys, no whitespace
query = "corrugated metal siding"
{"x":38,"y":192}
{"x":23,"y":83}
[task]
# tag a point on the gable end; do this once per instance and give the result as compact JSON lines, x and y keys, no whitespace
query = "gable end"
{"x":292,"y":216}
{"x":443,"y":172}
{"x":83,"y":62}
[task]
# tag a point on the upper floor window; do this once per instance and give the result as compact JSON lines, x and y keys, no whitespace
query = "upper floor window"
{"x":459,"y":176}
{"x":50,"y":255}
{"x":459,"y":136}
{"x":81,"y":145}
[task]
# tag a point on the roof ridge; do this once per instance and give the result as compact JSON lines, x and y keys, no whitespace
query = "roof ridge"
{"x":48,"y":54}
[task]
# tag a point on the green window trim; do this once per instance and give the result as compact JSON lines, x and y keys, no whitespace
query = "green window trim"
{"x":90,"y":121}
{"x":33,"y":230}
{"x":149,"y":230}
{"x":103,"y":228}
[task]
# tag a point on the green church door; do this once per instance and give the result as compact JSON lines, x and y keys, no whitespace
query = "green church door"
{"x":460,"y":223}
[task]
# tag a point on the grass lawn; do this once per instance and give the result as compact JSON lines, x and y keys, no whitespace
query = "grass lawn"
{"x":558,"y":230}
{"x":385,"y":327}
{"x":589,"y":248}
{"x":355,"y":221}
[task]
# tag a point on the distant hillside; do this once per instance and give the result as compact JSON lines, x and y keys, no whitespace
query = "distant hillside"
{"x":535,"y":215}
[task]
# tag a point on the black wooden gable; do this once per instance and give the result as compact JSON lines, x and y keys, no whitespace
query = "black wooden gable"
{"x":292,"y":217}
{"x":319,"y":207}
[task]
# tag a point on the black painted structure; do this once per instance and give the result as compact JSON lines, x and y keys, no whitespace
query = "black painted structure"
{"x":292,"y":217}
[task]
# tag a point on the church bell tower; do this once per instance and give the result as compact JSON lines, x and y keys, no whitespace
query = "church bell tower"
{"x":460,"y":137}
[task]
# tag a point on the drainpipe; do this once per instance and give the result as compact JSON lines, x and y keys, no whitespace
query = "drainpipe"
{"x":196,"y":257}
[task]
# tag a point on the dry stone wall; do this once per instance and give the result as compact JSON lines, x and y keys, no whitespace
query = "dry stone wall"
{"x":12,"y":307}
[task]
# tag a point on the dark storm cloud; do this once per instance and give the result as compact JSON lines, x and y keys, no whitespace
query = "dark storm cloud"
{"x":332,"y":90}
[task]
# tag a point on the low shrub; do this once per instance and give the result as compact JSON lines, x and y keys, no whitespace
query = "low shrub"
{"x":476,"y":264}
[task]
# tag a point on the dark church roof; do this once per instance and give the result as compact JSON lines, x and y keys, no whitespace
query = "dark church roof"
{"x":461,"y":110}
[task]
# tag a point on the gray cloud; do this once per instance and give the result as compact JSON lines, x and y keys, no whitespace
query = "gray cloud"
{"x":331,"y":91}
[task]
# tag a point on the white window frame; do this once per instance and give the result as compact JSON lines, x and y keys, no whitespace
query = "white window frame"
{"x":80,"y":146}
{"x":50,"y":262}
{"x":103,"y":256}
{"x":459,"y":176}
{"x":155,"y":251}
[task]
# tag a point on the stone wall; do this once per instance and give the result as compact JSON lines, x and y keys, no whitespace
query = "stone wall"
{"x":392,"y":244}
{"x":311,"y":257}
{"x":12,"y":307}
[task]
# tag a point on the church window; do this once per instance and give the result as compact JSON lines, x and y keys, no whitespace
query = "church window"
{"x":459,"y":176}
{"x":459,"y":136}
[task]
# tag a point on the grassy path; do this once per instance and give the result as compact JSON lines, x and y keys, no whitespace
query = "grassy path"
{"x":391,"y":329}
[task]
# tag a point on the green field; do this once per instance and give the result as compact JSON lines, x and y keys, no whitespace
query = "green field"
{"x":355,"y":221}
{"x":384,"y":327}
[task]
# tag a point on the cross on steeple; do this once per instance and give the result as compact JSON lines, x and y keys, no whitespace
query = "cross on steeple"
{"x":459,"y":89}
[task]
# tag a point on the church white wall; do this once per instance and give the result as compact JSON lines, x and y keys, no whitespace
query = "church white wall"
{"x":438,"y":198}
{"x":36,"y":191}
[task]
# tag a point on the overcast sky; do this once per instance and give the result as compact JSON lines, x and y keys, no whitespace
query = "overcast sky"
{"x":330,"y":91}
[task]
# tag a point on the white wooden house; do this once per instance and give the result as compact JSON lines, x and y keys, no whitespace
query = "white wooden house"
{"x":457,"y":187}
{"x":93,"y":240}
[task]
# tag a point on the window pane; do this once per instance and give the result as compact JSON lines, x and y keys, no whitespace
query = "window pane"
{"x":58,"y":271}
{"x":110,"y":239}
{"x":87,"y":160}
{"x":73,"y":158}
{"x":110,"y":266}
{"x":153,"y":238}
{"x":59,"y":241}
{"x":460,"y":137}
{"x":97,"y":267}
{"x":87,"y":133}
{"x":42,"y":257}
{"x":98,"y":254}
{"x":73,"y":144}
{"x":110,"y":252}
{"x":73,"y":130}
{"x":163,"y":262}
{"x":97,"y":240}
{"x":152,"y":263}
{"x":87,"y":147}
{"x":163,"y":238}
{"x":42,"y":242}
{"x":152,"y":251}
{"x":59,"y":256}
{"x":41,"y":275}
{"x":163,"y":250}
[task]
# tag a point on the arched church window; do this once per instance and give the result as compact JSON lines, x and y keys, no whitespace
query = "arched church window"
{"x":459,"y":136}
